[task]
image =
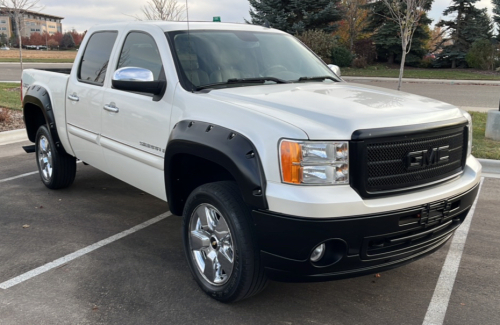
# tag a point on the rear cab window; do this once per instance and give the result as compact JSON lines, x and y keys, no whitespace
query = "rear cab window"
{"x":94,"y":63}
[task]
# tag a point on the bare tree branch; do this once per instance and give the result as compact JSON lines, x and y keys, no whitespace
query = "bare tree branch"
{"x":407,"y":14}
{"x":162,"y":10}
{"x":16,"y":9}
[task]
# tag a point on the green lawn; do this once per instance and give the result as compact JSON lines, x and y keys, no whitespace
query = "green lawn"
{"x":482,"y":147}
{"x":9,"y":97}
{"x":383,"y":71}
{"x":38,"y":60}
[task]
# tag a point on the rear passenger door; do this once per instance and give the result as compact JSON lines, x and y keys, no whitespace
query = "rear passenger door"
{"x":135,"y":133}
{"x":84,"y":97}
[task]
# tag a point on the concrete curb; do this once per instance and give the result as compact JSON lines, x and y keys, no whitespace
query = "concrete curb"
{"x":13,"y":136}
{"x":428,"y":81}
{"x":490,"y":166}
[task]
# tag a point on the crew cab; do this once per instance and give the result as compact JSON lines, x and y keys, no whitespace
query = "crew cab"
{"x":280,"y":169}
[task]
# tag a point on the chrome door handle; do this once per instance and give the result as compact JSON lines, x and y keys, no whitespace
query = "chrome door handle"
{"x":73,"y":97}
{"x":111,"y":108}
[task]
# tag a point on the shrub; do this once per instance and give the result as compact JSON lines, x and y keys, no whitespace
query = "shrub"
{"x":359,"y":63}
{"x":341,"y":56}
{"x":4,"y":115}
{"x":426,"y":63}
{"x":319,"y":42}
{"x":366,"y":48}
{"x":481,"y":55}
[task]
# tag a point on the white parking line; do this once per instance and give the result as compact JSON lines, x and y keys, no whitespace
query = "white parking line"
{"x":24,"y":175}
{"x":441,"y":298}
{"x":18,"y":176}
{"x":65,"y":259}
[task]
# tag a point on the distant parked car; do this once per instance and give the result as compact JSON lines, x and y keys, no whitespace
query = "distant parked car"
{"x":4,"y":48}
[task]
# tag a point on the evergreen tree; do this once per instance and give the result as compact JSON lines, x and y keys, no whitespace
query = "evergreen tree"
{"x":469,"y":25}
{"x":296,"y":16}
{"x":386,"y":35}
{"x":496,"y":15}
{"x":67,"y":41}
{"x":3,"y":39}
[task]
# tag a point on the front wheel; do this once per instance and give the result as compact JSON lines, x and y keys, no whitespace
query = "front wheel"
{"x":219,"y":243}
{"x":56,"y":170}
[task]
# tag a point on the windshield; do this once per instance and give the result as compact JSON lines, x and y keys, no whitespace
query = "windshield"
{"x":215,"y":59}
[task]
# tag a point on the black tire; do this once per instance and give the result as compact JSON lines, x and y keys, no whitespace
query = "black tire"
{"x":247,"y":276}
{"x":63,"y":166}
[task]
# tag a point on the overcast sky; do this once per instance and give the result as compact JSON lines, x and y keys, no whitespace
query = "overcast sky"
{"x":81,"y":15}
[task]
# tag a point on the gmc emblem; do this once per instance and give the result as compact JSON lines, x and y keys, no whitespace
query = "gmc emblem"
{"x":424,"y":158}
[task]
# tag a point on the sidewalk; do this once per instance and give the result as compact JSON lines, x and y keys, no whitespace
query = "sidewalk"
{"x":428,"y":81}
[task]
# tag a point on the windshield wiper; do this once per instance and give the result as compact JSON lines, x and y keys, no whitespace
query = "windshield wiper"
{"x":321,"y":78}
{"x":258,"y":80}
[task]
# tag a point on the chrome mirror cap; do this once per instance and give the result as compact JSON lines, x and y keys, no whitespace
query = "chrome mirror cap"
{"x":133,"y":74}
{"x":335,"y":69}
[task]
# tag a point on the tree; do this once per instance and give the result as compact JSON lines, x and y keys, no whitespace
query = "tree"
{"x":67,"y":41}
{"x":468,"y":25}
{"x":77,"y":37}
{"x":386,"y":35}
{"x":52,"y":43}
{"x":162,"y":10}
{"x":482,"y":55}
{"x":16,"y":9}
{"x":406,"y":14}
{"x":436,"y":38}
{"x":296,"y":17}
{"x":356,"y":19}
{"x":3,"y":39}
{"x":37,"y":39}
{"x":496,"y":15}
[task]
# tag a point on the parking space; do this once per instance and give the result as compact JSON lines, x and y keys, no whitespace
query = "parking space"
{"x":143,"y":278}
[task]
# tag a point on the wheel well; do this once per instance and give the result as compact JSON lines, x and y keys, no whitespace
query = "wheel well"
{"x":33,"y":118}
{"x":187,"y":173}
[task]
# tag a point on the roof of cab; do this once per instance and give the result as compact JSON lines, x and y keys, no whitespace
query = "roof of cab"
{"x":168,"y":26}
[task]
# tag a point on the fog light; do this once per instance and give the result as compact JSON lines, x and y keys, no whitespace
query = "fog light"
{"x":318,"y":253}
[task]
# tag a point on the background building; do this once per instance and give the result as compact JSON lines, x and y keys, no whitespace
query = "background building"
{"x":31,"y":22}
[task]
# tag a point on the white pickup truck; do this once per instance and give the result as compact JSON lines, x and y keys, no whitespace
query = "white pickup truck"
{"x":280,"y":169}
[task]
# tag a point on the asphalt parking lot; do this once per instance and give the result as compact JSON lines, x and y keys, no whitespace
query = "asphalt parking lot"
{"x":143,"y":278}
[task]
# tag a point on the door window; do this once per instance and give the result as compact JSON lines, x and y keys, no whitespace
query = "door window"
{"x":95,"y":60}
{"x":140,"y":51}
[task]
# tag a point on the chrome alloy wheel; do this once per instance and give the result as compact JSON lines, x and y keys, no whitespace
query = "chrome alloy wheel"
{"x":45,"y":158}
{"x":211,"y":244}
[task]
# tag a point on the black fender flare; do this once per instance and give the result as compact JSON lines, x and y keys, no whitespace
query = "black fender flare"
{"x":222,"y":146}
{"x":39,"y":96}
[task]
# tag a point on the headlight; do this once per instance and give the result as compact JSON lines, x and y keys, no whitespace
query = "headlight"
{"x":469,"y":144}
{"x":314,"y":163}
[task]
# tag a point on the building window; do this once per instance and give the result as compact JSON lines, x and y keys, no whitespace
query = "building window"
{"x":3,"y":21}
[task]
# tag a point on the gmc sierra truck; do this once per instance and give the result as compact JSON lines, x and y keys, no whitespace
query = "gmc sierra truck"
{"x":280,"y":169}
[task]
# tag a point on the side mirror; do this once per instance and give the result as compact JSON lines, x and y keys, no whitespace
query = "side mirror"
{"x":138,"y":80}
{"x":335,"y":69}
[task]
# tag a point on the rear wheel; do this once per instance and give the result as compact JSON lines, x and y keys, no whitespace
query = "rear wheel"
{"x":56,"y":170}
{"x":219,"y":243}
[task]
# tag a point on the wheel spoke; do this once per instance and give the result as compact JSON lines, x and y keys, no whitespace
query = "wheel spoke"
{"x":210,"y":266}
{"x":199,"y":239}
{"x":225,"y":260}
{"x":211,"y":217}
{"x":222,"y":229}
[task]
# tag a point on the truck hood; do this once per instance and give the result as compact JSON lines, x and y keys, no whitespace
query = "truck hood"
{"x":333,"y":111}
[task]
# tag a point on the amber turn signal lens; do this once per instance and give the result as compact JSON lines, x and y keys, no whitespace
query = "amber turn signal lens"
{"x":291,"y":154}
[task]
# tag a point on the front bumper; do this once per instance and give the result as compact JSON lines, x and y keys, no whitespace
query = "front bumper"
{"x":357,"y":245}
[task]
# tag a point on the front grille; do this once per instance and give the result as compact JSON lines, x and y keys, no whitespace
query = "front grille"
{"x":384,"y":167}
